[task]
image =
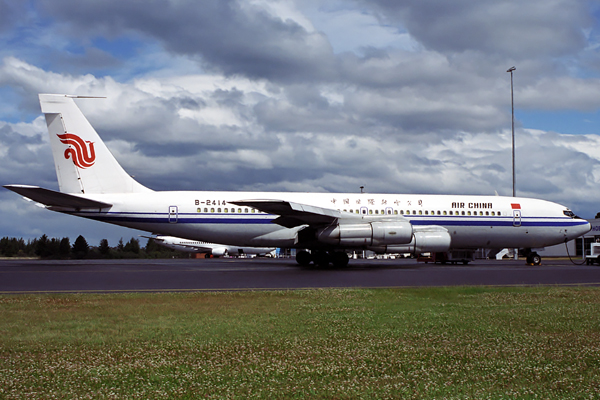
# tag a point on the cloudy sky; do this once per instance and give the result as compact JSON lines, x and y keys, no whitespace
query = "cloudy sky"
{"x":403,"y":96}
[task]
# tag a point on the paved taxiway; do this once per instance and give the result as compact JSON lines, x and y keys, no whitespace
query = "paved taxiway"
{"x":32,"y":276}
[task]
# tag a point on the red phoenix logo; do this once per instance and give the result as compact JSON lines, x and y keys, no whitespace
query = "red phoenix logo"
{"x":82,"y":153}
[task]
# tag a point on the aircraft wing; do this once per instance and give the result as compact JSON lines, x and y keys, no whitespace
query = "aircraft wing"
{"x":293,"y":214}
{"x":53,"y":198}
{"x":197,"y":248}
{"x":191,"y":247}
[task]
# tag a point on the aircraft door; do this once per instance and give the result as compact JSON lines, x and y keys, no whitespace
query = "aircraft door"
{"x":173,"y":214}
{"x":516,"y":217}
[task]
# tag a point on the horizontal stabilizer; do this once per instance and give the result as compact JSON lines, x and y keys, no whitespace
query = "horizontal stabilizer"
{"x":52,"y":198}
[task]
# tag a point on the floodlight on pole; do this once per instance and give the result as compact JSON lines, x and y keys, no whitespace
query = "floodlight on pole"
{"x":512,"y":106}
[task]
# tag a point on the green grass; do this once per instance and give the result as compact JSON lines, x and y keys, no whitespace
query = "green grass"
{"x":464,"y":343}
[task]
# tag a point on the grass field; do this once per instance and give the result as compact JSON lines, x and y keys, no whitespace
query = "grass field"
{"x":335,"y":344}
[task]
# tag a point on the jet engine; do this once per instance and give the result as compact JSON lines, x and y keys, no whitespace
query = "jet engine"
{"x":366,"y":235}
{"x":434,"y":239}
{"x":219,"y":251}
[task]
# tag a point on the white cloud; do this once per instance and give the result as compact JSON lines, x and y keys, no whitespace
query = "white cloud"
{"x":350,"y":30}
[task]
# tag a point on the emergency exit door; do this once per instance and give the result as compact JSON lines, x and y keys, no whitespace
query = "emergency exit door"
{"x":173,"y":214}
{"x":516,"y":217}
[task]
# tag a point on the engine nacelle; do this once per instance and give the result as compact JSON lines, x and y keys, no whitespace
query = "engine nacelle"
{"x":425,"y":240}
{"x":367,"y":234}
{"x":219,"y":251}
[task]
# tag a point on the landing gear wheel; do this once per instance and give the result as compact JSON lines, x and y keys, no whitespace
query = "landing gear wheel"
{"x":207,"y":255}
{"x":303,"y":258}
{"x":321,"y":259}
{"x":534,"y":259}
{"x":339,"y":259}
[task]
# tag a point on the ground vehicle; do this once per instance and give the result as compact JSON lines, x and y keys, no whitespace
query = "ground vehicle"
{"x":594,"y":256}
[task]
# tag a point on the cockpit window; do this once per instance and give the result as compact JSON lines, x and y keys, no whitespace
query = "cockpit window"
{"x":570,"y":214}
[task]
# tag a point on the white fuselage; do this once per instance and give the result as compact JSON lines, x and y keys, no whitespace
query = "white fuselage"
{"x":472,"y":221}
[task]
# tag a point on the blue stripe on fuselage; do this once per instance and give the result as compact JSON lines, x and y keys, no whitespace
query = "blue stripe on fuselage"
{"x":267,"y":219}
{"x":497,"y":222}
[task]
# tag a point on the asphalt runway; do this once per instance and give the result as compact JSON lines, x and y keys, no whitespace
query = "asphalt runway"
{"x":44,"y":276}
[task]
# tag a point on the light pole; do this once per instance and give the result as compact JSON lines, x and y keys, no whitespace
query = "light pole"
{"x":512,"y":106}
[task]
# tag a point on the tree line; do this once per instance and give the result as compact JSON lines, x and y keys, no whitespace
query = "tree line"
{"x":61,"y":248}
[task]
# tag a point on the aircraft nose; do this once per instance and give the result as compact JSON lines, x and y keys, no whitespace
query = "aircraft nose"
{"x":578,"y":230}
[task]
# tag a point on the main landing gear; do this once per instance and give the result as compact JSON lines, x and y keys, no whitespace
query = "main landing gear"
{"x":320,"y":258}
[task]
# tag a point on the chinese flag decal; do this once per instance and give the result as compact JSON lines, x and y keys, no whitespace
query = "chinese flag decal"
{"x":515,"y":206}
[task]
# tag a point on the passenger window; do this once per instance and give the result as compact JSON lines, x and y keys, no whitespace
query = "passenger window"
{"x":252,"y":210}
{"x":439,"y":213}
{"x":395,"y":212}
{"x":463,"y":213}
{"x":450,"y":212}
{"x":414,"y":212}
{"x":468,"y":212}
{"x":199,"y":210}
{"x":226,"y":210}
{"x":205,"y":209}
{"x":493,"y":213}
{"x":212,"y":210}
{"x":219,"y":209}
{"x":239,"y":210}
{"x":376,"y":211}
{"x":246,"y":210}
{"x":370,"y":211}
{"x":445,"y":213}
{"x":498,"y":212}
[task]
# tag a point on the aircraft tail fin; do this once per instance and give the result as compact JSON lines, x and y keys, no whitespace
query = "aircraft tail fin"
{"x":83,"y":162}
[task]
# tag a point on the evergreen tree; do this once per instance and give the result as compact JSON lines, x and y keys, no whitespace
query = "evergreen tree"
{"x":53,"y":248}
{"x":8,"y":247}
{"x":151,"y":246}
{"x":133,"y":246}
{"x":120,"y":245}
{"x":64,"y":248}
{"x":41,"y":246}
{"x":80,"y":247}
{"x":104,"y":248}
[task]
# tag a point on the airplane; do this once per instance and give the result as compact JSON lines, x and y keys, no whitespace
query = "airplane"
{"x":216,"y":250}
{"x":321,"y":226}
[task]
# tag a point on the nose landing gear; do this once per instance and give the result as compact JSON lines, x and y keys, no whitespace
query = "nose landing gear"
{"x":533,"y":258}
